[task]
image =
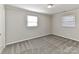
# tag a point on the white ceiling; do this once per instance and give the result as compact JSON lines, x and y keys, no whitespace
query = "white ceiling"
{"x":42,"y":8}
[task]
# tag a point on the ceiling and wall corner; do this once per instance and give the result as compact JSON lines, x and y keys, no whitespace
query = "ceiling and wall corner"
{"x":43,"y":8}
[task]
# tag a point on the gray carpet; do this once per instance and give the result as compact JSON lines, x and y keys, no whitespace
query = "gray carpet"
{"x":50,"y":44}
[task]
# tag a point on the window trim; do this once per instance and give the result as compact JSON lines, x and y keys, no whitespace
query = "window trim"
{"x":72,"y":20}
{"x":37,"y":21}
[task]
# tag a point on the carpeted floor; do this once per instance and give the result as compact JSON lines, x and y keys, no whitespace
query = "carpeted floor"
{"x":50,"y":44}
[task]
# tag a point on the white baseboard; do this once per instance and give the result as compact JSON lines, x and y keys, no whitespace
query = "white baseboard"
{"x":38,"y":37}
{"x":25,"y":39}
{"x":66,"y":37}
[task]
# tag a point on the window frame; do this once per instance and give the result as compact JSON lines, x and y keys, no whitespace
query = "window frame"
{"x":70,"y":21}
{"x":37,"y":21}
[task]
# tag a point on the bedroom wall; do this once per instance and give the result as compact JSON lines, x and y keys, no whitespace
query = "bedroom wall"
{"x":2,"y":27}
{"x":16,"y":29}
{"x":58,"y":29}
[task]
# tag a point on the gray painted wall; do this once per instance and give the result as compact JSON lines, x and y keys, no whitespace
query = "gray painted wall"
{"x":16,"y":29}
{"x":71,"y":33}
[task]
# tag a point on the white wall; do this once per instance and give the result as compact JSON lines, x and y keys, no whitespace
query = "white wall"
{"x":2,"y":27}
{"x":16,"y":29}
{"x":57,"y":29}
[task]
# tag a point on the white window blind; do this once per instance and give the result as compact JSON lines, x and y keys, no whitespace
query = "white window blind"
{"x":32,"y":21}
{"x":68,"y":21}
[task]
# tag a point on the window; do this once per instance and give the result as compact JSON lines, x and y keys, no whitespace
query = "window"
{"x":32,"y":21}
{"x":68,"y":21}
